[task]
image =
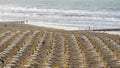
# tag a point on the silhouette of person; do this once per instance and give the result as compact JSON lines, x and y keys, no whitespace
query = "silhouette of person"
{"x":43,"y":43}
{"x":5,"y":25}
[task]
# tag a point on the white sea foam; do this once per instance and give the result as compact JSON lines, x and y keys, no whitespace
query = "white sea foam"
{"x":62,"y":17}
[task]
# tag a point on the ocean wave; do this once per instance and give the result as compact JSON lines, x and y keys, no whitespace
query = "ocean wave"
{"x":93,"y":18}
{"x":54,"y":11}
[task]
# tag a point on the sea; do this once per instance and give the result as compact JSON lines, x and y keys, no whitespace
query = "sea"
{"x":81,"y":14}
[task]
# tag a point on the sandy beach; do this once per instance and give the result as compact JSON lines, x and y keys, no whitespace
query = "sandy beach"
{"x":109,"y":32}
{"x":27,"y":45}
{"x":56,"y":27}
{"x":59,"y":33}
{"x":74,"y":29}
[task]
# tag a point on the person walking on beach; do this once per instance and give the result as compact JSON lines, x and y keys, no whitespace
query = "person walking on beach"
{"x":43,"y":42}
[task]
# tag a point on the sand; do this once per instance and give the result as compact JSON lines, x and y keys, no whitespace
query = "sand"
{"x":113,"y":32}
{"x":56,"y":27}
{"x":109,"y":32}
{"x":59,"y":44}
{"x":72,"y":28}
{"x":46,"y":27}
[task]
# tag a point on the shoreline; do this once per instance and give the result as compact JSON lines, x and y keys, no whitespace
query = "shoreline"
{"x":65,"y":28}
{"x":109,"y":31}
{"x":56,"y":27}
